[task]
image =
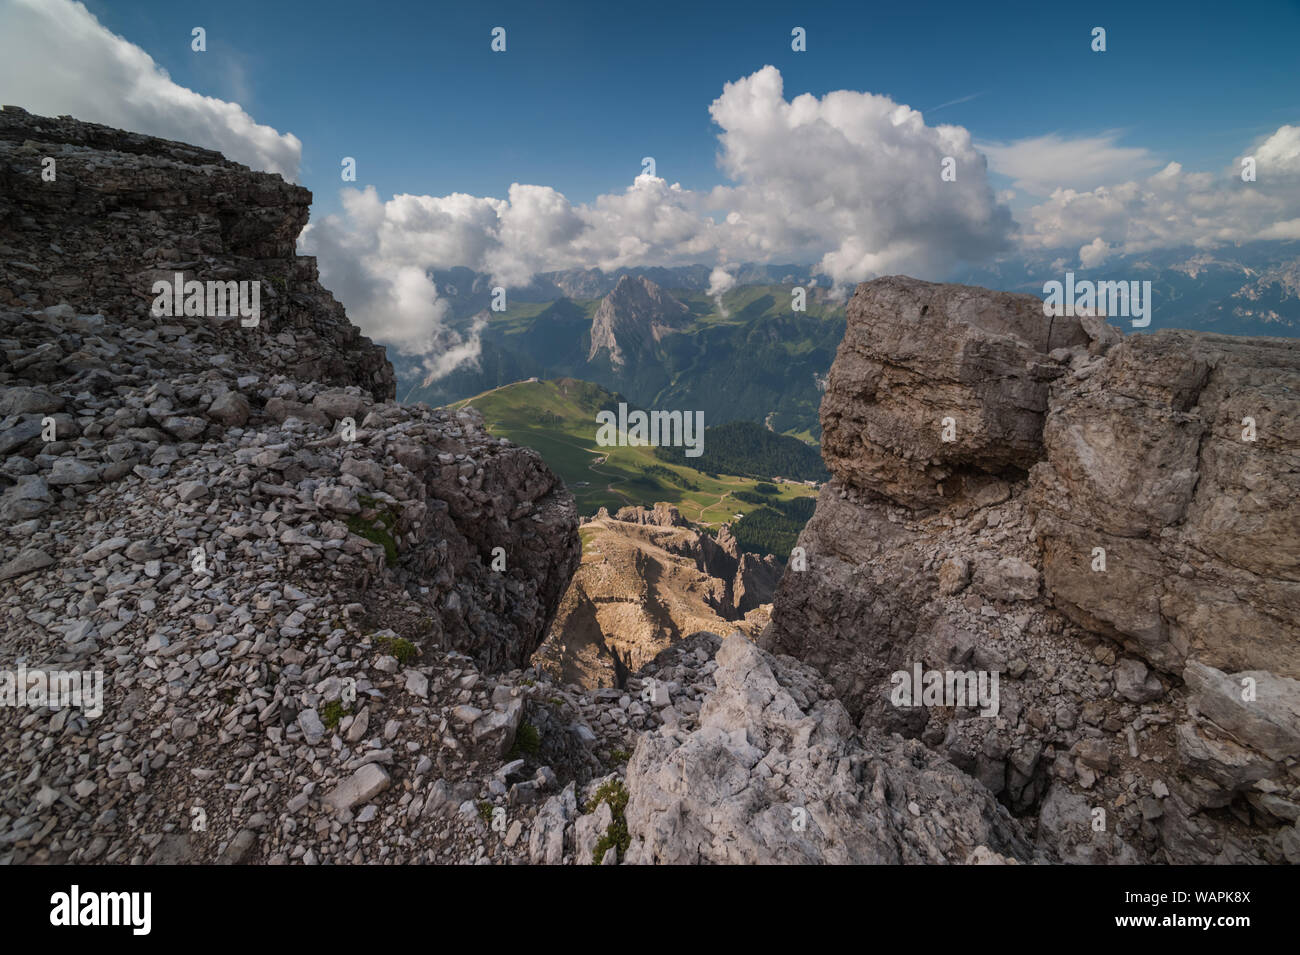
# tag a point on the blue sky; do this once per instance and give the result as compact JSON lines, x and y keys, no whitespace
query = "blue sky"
{"x":585,"y":90}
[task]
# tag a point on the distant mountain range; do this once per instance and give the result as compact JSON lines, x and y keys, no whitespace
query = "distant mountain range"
{"x":744,"y":355}
{"x":469,"y":292}
{"x":1253,"y":289}
{"x":657,"y":336}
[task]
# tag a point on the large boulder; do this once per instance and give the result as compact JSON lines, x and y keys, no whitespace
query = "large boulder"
{"x":775,"y":773}
{"x":937,"y":388}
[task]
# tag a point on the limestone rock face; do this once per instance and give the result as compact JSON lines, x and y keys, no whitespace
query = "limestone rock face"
{"x":280,"y":575}
{"x":632,"y":318}
{"x":126,"y":210}
{"x":755,"y":582}
{"x":1097,"y":532}
{"x":661,"y":515}
{"x":647,"y":580}
{"x":1268,"y":715}
{"x":914,"y":354}
{"x":1201,"y":529}
{"x":775,"y":773}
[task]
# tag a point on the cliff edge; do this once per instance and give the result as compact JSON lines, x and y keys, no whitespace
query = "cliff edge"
{"x":1109,"y":525}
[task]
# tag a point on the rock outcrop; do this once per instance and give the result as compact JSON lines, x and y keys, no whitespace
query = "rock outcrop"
{"x":124,"y":210}
{"x":289,"y":585}
{"x":743,"y":757}
{"x":775,"y":773}
{"x":1111,"y":525}
{"x":914,"y":354}
{"x":1144,"y":457}
{"x":632,"y":318}
{"x":647,"y":580}
{"x":748,"y":579}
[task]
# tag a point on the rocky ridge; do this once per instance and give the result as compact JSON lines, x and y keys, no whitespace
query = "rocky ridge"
{"x":648,"y":579}
{"x":1104,"y":529}
{"x":632,"y":318}
{"x":288,"y":584}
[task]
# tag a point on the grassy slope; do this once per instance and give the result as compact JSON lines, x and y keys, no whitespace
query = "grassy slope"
{"x":522,"y":413}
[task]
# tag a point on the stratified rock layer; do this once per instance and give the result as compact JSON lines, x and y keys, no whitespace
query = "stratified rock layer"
{"x":648,"y":579}
{"x":1086,"y":517}
{"x":915,"y":354}
{"x":310,"y":606}
{"x":125,"y":210}
{"x":1145,"y":457}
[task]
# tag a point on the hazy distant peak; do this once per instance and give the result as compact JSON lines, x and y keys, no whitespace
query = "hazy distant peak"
{"x":631,"y":318}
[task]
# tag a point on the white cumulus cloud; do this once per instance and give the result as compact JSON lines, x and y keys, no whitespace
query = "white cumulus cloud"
{"x":1174,"y":207}
{"x":57,"y":59}
{"x":1093,"y":254}
{"x":852,"y":179}
{"x":375,"y":264}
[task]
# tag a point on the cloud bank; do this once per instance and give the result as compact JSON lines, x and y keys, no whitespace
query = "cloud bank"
{"x":1177,"y":208}
{"x":57,"y":59}
{"x":851,"y":180}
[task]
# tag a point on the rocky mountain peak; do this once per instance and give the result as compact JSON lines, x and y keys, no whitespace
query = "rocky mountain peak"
{"x":632,"y":318}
